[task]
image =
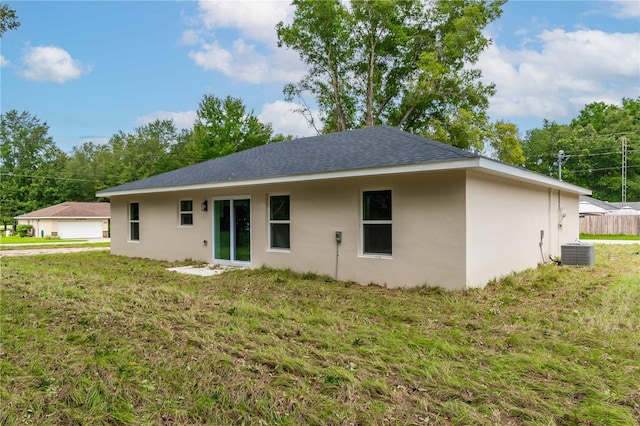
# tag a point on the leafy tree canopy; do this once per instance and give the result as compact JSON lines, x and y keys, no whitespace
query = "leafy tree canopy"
{"x":591,"y":148}
{"x":28,"y":163}
{"x":224,"y":127}
{"x":8,"y":19}
{"x":403,"y":63}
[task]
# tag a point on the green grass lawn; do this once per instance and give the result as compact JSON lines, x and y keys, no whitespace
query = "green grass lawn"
{"x":123,"y":341}
{"x":14,"y":239}
{"x":7,"y":243}
{"x":609,"y":237}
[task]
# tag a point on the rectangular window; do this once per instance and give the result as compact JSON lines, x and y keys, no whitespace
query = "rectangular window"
{"x":279,"y":222}
{"x":134,"y":222}
{"x":376,"y":222}
{"x":186,"y":212}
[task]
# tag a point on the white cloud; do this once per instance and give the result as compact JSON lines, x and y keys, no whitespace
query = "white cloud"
{"x":4,"y":62}
{"x":182,"y":120}
{"x":52,"y":64}
{"x":256,"y":20}
{"x":563,"y":73}
{"x":285,"y":119}
{"x":624,"y":9}
{"x":248,"y":52}
{"x":191,"y":37}
{"x":243,"y":62}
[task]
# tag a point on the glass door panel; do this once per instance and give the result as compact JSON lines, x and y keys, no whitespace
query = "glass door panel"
{"x":242,"y":234}
{"x":232,"y":230}
{"x":222,"y":229}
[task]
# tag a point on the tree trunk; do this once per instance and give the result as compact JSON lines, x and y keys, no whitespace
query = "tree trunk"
{"x":335,"y":82}
{"x":368,"y":120}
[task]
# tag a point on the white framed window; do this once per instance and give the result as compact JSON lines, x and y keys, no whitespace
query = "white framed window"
{"x":134,"y":221}
{"x":377,"y":225}
{"x":279,"y":222}
{"x":186,"y":212}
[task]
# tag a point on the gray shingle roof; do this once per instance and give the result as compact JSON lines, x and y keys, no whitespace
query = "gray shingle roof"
{"x":599,"y":203}
{"x":351,"y":150}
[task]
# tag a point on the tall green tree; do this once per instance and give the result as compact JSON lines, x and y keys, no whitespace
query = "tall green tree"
{"x":86,"y":170}
{"x":224,"y":126}
{"x":29,"y":165}
{"x":8,"y":19}
{"x":591,"y":149}
{"x":505,"y":143}
{"x":403,"y":63}
{"x":141,"y":153}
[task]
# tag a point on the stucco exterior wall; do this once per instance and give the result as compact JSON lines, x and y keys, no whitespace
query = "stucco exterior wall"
{"x":47,"y":225}
{"x":504,"y":220}
{"x":454,"y":229}
{"x":161,"y":236}
{"x":428,"y":228}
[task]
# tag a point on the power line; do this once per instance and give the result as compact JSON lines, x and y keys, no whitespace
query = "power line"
{"x":601,"y":169}
{"x":589,"y":155}
{"x":47,"y":177}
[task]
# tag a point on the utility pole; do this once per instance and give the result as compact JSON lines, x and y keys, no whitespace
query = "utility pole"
{"x":561,"y":160}
{"x":624,"y":169}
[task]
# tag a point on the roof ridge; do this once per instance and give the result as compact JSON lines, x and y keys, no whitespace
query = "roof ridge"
{"x":434,"y":143}
{"x":354,"y":149}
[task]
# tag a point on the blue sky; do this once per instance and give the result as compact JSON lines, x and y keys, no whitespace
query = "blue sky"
{"x":92,"y":68}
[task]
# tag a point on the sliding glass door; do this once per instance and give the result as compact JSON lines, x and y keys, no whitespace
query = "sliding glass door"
{"x":232,"y":229}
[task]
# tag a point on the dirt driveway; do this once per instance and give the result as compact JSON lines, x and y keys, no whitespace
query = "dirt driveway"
{"x":46,"y":250}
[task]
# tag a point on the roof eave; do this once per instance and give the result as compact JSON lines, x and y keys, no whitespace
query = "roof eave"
{"x":517,"y":173}
{"x":483,"y":164}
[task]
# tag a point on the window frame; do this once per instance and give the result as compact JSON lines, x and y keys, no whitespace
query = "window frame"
{"x":133,"y":221}
{"x":271,"y":221}
{"x":364,"y":222}
{"x":185,"y":213}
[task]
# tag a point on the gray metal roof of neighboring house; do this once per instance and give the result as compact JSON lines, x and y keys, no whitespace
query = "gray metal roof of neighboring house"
{"x":71,"y":209}
{"x":633,"y":204}
{"x":599,"y":203}
{"x":368,"y":147}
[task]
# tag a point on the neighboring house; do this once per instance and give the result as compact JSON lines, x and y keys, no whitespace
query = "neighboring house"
{"x":633,"y":204}
{"x":374,"y":205}
{"x":590,"y":206}
{"x":625,"y":211}
{"x":69,"y":220}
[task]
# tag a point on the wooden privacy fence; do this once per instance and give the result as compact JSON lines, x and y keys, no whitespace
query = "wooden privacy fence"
{"x":610,"y":225}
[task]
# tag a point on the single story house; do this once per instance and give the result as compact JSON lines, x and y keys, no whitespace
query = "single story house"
{"x":373,"y":205}
{"x":69,"y":220}
{"x":590,"y":206}
{"x":633,"y":204}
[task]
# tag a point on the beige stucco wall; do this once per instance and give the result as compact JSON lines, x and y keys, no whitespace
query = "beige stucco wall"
{"x":455,"y":229}
{"x":504,"y":220}
{"x":39,"y":225}
{"x":428,"y":228}
{"x":161,"y":236}
{"x":428,"y":231}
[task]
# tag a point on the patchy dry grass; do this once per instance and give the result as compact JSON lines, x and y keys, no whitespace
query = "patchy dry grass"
{"x":91,"y":338}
